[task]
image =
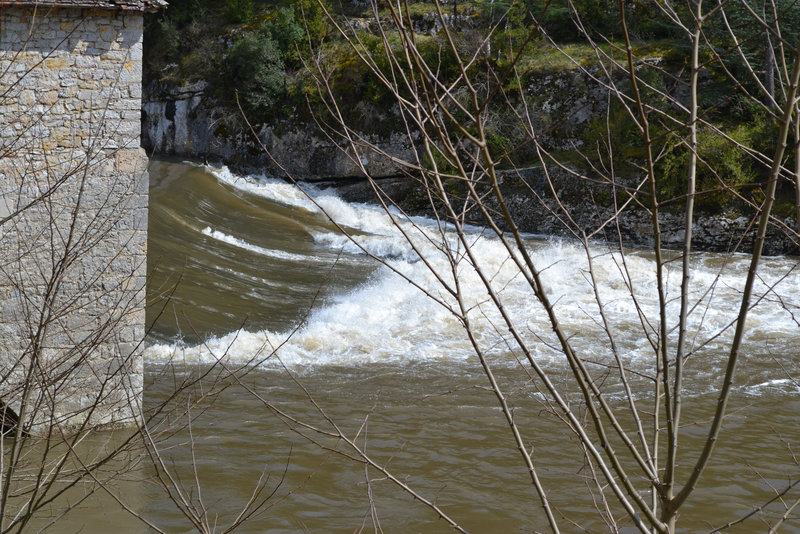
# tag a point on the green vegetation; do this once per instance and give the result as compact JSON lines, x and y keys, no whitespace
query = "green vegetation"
{"x":260,"y":82}
{"x":722,"y":163}
{"x":248,"y":48}
{"x":255,"y":49}
{"x":238,"y":10}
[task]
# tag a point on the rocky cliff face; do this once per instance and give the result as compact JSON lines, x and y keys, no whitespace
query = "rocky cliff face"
{"x":182,"y":121}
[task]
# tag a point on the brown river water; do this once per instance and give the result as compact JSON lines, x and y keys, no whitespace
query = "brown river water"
{"x":246,"y":262}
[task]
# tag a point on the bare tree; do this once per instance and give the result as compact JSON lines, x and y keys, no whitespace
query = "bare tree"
{"x":630,"y":418}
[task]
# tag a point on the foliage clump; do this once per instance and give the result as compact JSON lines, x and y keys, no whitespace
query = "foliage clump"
{"x":724,"y":169}
{"x":255,"y":66}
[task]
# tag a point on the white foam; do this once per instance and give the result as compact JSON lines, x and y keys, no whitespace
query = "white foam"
{"x":354,"y":216}
{"x":779,"y":384}
{"x":270,"y":188}
{"x":239,"y":243}
{"x":378,"y":246}
{"x":380,"y":322}
{"x":388,"y":319}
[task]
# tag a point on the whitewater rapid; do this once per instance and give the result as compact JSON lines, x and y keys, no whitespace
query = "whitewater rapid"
{"x":399,"y":313}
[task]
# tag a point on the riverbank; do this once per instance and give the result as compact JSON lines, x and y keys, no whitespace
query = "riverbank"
{"x":183,"y":122}
{"x":590,"y":209}
{"x":537,"y":211}
{"x":567,"y":98}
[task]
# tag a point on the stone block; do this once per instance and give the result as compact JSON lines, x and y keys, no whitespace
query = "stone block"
{"x":130,"y":161}
{"x":50,"y":97}
{"x":86,"y":62}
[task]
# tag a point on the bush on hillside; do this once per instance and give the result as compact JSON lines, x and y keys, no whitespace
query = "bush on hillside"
{"x":238,"y":10}
{"x":723,"y":166}
{"x":255,"y":67}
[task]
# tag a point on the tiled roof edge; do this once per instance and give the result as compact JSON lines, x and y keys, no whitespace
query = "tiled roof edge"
{"x":124,"y":5}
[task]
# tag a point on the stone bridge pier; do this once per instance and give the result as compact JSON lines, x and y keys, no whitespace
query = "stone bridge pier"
{"x":73,"y":212}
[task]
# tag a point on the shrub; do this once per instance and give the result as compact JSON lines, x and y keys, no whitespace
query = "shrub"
{"x":256,"y":70}
{"x":722,"y":167}
{"x":287,"y":33}
{"x":499,"y":146}
{"x":163,"y":40}
{"x":238,"y":10}
{"x":314,"y":19}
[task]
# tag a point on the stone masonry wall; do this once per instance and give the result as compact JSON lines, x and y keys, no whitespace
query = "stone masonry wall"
{"x":73,"y":215}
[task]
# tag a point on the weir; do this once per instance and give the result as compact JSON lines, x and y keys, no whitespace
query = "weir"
{"x":73,"y":211}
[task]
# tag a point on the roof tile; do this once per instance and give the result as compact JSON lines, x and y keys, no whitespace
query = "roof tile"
{"x":127,"y":5}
